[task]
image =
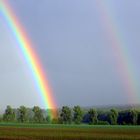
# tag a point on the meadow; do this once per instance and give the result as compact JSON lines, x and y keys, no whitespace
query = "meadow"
{"x":15,"y":131}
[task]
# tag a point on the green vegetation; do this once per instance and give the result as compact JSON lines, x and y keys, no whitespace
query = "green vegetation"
{"x":66,"y":115}
{"x":38,"y":115}
{"x":75,"y":115}
{"x":93,"y":116}
{"x":67,"y":132}
{"x":9,"y":114}
{"x":113,"y":116}
{"x":78,"y":114}
{"x":22,"y":114}
{"x":70,"y":124}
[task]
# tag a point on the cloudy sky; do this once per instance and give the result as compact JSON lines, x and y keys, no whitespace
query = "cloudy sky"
{"x":73,"y":41}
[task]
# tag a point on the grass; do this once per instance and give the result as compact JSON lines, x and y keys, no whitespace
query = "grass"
{"x":13,"y":131}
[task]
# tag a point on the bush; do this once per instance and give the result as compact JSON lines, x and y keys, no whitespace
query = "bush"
{"x":103,"y":123}
{"x":55,"y":121}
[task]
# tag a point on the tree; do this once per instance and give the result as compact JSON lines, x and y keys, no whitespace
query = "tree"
{"x":9,"y":114}
{"x":113,"y":116}
{"x":48,"y":119}
{"x":138,"y":118}
{"x":38,"y":115}
{"x":66,"y":115}
{"x":133,"y":115}
{"x":22,"y":114}
{"x":78,"y":114}
{"x":93,"y":116}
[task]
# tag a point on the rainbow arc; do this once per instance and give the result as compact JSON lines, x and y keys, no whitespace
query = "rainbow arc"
{"x":31,"y":57}
{"x":125,"y":68}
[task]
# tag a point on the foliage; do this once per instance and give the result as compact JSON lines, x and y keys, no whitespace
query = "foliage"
{"x":133,"y":116}
{"x":55,"y":121}
{"x":38,"y":115}
{"x":78,"y":114}
{"x":48,"y":119}
{"x":113,"y":115}
{"x":129,"y":117}
{"x":103,"y":122}
{"x":138,"y":118}
{"x":9,"y":114}
{"x":22,"y":114}
{"x":93,"y":116}
{"x":66,"y":115}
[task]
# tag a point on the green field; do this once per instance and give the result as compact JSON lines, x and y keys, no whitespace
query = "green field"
{"x":67,"y":132}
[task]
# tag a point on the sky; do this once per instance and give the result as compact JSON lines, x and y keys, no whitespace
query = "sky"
{"x":73,"y":41}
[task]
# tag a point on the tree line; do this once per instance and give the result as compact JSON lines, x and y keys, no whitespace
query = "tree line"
{"x":75,"y":115}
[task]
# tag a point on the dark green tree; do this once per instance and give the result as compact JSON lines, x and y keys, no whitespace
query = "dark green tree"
{"x":9,"y":114}
{"x":138,"y":118}
{"x":66,"y":115}
{"x":93,"y":116}
{"x":78,"y":114}
{"x":48,"y":119}
{"x":113,"y":116}
{"x":38,"y":114}
{"x":23,"y":116}
{"x":133,"y":115}
{"x":1,"y":118}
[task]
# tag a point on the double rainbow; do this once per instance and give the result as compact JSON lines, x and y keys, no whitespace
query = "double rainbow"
{"x":124,"y":65}
{"x":30,"y":55}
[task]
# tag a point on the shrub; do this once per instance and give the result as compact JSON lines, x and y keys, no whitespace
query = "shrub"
{"x":103,"y":123}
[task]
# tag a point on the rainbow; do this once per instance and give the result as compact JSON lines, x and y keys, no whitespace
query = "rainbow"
{"x":29,"y":54}
{"x":121,"y":52}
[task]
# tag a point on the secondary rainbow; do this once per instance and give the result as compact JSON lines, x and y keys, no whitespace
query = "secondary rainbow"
{"x":121,"y":53}
{"x":30,"y":55}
